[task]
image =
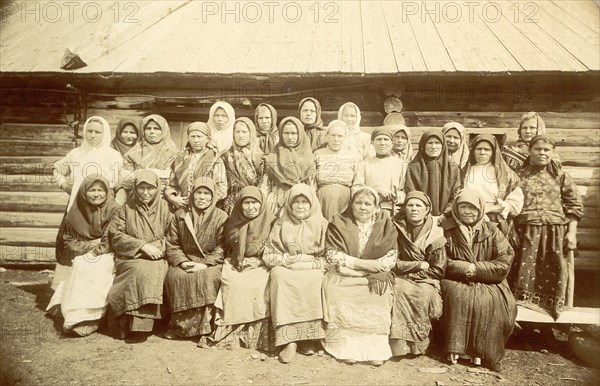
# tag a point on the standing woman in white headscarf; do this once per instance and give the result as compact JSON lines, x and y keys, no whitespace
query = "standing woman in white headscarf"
{"x":358,"y":141}
{"x":457,"y":142}
{"x":94,"y":156}
{"x":221,"y":119}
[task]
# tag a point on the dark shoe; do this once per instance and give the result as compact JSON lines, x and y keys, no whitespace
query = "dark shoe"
{"x":288,"y":354}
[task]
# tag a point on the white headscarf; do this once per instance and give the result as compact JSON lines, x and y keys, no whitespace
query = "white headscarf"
{"x":223,"y":138}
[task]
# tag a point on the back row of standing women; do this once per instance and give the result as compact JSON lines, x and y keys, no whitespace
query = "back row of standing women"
{"x":333,"y":191}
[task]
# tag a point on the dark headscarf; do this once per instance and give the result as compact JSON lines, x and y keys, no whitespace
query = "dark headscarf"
{"x":290,"y":166}
{"x":89,"y":220}
{"x":244,"y":236}
{"x":146,"y":221}
{"x":268,"y":139}
{"x":554,"y":168}
{"x":434,"y":177}
{"x":315,"y":131}
{"x":342,"y":236}
{"x":118,"y":143}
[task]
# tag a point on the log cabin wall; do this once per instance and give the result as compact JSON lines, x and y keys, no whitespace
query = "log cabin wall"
{"x":34,"y":134}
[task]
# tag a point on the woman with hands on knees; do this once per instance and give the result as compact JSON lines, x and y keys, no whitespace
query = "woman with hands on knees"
{"x":294,"y":252}
{"x":137,"y":236}
{"x":358,"y":289}
{"x":195,"y":245}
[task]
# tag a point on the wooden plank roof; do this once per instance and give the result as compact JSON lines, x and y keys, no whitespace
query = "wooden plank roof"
{"x":351,"y":37}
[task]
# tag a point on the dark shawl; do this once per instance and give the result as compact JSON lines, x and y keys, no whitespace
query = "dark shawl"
{"x":245,"y":237}
{"x":438,"y":178}
{"x":118,"y":143}
{"x":315,"y":131}
{"x":342,"y":236}
{"x":290,"y":166}
{"x":267,"y":139}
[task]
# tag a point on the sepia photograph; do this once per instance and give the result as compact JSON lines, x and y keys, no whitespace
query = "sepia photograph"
{"x":310,"y":192}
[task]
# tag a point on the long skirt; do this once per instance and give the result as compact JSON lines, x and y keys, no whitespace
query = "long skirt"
{"x":242,"y":309}
{"x":296,"y":305}
{"x":191,"y":296}
{"x":415,"y":306}
{"x":540,"y":271}
{"x":82,"y":295}
{"x":137,"y":294}
{"x":276,"y":199}
{"x":358,"y":321}
{"x":334,"y":199}
{"x":477,"y":319}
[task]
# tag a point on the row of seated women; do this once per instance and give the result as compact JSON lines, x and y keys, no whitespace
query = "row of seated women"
{"x":542,"y":201}
{"x":365,"y":286}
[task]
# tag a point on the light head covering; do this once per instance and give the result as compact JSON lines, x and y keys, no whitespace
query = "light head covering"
{"x":407,"y":153}
{"x":251,"y":128}
{"x":199,"y":126}
{"x":118,"y":143}
{"x":247,"y":237}
{"x":223,"y":138}
{"x":145,"y":155}
{"x":356,"y":126}
{"x":470,"y":196}
{"x":337,"y":123}
{"x":362,"y":190}
{"x":382,"y":130}
{"x":106,"y":135}
{"x":460,"y":156}
{"x":541,"y":126}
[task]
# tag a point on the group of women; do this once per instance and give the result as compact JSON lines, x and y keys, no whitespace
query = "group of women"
{"x":301,"y":237}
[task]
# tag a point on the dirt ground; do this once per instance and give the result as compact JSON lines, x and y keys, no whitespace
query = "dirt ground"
{"x":34,"y":352}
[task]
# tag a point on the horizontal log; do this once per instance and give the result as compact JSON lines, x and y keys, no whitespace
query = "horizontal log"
{"x":19,"y":255}
{"x":587,"y":239}
{"x":484,"y":119}
{"x":585,"y":176}
{"x":31,"y":220}
{"x":587,"y":261}
{"x":28,"y":183}
{"x":34,"y":237}
{"x":591,"y":218}
{"x":37,"y":148}
{"x":12,"y":131}
{"x":34,"y":201}
{"x":41,"y":166}
{"x":590,"y":195}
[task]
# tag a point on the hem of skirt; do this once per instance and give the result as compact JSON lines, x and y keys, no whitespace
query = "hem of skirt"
{"x":192,"y":306}
{"x":134,"y":306}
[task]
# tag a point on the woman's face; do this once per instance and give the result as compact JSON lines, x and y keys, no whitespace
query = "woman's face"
{"x":416,"y":210}
{"x":467,"y":213}
{"x":452,"y":140}
{"x":241,"y":134}
{"x":301,"y":208}
{"x":483,"y":153}
{"x":308,"y":113}
{"x":363,"y":207}
{"x":197,"y":140}
{"x":349,"y":116}
{"x":264,"y":119}
{"x":382,"y":144}
{"x":96,"y":194}
{"x":433,"y":147}
{"x":94,"y":133}
{"x":220,"y":118}
{"x":250,"y":208}
{"x":528,"y":129}
{"x":152,"y":132}
{"x":541,"y":153}
{"x":336,"y":137}
{"x":289,"y":135}
{"x":145,"y":192}
{"x":202,"y":198}
{"x":129,"y":135}
{"x":400,"y":141}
